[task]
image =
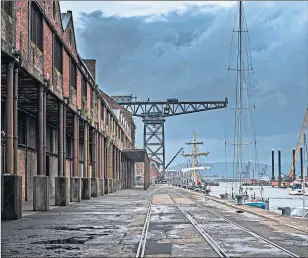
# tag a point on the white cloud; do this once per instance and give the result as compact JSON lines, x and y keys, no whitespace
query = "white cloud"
{"x":136,"y":8}
{"x":186,"y":56}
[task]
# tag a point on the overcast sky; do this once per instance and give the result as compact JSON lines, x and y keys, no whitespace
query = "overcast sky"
{"x":180,"y":49}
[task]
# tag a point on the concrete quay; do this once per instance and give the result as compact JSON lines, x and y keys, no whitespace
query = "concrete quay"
{"x":162,"y":221}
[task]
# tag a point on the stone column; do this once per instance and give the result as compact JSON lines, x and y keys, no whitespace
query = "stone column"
{"x":11,"y":183}
{"x":75,"y":184}
{"x":61,"y":184}
{"x":86,"y":180}
{"x":41,"y":181}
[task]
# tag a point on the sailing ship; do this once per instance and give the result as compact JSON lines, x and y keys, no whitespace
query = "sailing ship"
{"x":193,"y":176}
{"x":244,"y":90}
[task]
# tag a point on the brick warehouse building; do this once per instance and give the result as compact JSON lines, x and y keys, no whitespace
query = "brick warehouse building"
{"x":61,"y":138}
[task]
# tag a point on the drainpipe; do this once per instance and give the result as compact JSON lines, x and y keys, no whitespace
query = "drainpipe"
{"x":60,"y":141}
{"x":64,"y":135}
{"x":47,"y":82}
{"x":40,"y":149}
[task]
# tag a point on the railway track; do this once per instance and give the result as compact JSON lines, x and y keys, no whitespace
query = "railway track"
{"x":215,"y":245}
{"x":257,"y":236}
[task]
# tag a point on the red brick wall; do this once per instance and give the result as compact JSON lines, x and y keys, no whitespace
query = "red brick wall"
{"x":99,"y":112}
{"x":55,"y":21}
{"x":153,"y":171}
{"x":48,"y":39}
{"x":88,"y":97}
{"x":66,"y":72}
{"x":72,"y":46}
{"x":78,"y":89}
{"x":67,"y":172}
{"x":139,"y":169}
{"x":22,"y":26}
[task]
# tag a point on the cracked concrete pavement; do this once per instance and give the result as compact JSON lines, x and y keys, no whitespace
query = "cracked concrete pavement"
{"x":111,"y":226}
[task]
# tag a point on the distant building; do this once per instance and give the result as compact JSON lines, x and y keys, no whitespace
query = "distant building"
{"x":139,"y":173}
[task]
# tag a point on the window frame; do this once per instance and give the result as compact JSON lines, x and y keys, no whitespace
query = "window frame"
{"x":84,"y":87}
{"x":8,"y":7}
{"x":37,"y":26}
{"x":22,"y":128}
{"x":58,"y":54}
{"x":73,"y":75}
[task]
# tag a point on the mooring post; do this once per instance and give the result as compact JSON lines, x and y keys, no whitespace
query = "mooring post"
{"x":273,"y":165}
{"x":279,"y":168}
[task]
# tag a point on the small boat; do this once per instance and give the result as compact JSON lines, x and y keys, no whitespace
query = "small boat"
{"x":296,"y":188}
{"x":258,"y":204}
{"x":299,"y":212}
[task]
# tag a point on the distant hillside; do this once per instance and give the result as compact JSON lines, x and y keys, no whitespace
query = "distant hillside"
{"x":219,"y":168}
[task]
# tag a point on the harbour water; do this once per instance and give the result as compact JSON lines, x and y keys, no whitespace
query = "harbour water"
{"x":278,"y":197}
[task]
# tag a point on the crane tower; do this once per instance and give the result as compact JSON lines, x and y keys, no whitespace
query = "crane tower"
{"x":154,"y":114}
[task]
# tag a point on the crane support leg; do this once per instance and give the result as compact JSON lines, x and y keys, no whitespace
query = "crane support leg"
{"x":154,"y":140}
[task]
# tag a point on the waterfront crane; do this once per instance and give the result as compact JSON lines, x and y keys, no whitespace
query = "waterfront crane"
{"x":299,"y":142}
{"x":154,"y":114}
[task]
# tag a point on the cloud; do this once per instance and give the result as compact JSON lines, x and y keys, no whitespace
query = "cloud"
{"x":160,"y":50}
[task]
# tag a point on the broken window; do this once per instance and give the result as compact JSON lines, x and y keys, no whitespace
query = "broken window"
{"x":36,"y":26}
{"x":7,"y":6}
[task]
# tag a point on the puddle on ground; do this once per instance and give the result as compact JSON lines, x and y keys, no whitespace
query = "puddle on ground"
{"x":70,"y":241}
{"x":84,"y":228}
{"x":55,"y":247}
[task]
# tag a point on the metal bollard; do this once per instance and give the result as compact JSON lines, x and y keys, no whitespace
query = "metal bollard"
{"x":286,"y":211}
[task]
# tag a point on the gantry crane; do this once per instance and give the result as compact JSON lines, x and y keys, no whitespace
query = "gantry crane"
{"x":154,"y":114}
{"x":299,"y":142}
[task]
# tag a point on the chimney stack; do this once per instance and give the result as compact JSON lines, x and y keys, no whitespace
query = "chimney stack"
{"x":91,"y":65}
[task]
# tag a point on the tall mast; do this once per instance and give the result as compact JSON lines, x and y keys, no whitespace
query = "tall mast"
{"x":240,"y":147}
{"x":195,"y":155}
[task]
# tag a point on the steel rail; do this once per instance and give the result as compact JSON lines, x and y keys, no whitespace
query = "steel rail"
{"x":143,"y":238}
{"x":205,"y":235}
{"x":289,"y":253}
